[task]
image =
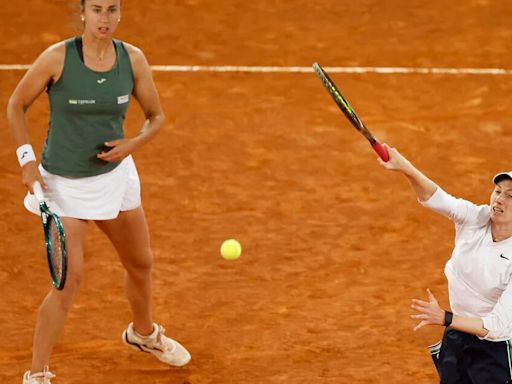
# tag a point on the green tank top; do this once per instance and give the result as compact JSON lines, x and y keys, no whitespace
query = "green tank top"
{"x":87,"y":108}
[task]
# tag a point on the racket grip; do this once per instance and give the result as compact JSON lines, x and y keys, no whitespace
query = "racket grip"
{"x":38,"y":191}
{"x":381,"y":151}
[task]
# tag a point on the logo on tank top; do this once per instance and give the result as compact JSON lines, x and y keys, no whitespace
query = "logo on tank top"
{"x":101,"y":81}
{"x":123,"y":99}
{"x":503,"y":257}
{"x":81,"y":102}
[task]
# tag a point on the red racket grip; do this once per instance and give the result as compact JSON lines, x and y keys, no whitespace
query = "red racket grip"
{"x":381,"y":151}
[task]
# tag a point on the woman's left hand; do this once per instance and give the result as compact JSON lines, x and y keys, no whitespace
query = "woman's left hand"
{"x":119,"y":150}
{"x":429,"y":311}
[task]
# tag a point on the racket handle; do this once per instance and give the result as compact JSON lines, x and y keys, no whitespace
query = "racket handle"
{"x":381,"y":151}
{"x":38,"y":191}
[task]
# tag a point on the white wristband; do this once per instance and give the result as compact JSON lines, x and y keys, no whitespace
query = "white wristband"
{"x":25,"y":154}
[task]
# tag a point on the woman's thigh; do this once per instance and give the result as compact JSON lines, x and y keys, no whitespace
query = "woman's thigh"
{"x":130,"y":236}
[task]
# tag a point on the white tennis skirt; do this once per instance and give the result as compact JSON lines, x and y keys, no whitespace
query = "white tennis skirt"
{"x":99,"y":197}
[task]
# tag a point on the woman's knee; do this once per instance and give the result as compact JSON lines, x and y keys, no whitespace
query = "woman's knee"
{"x":75,"y":236}
{"x":75,"y":273}
{"x":139,"y":262}
{"x":66,"y":296}
{"x":74,"y":281}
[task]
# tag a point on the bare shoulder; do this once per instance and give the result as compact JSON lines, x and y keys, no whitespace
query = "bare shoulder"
{"x":54,"y":53}
{"x":132,"y":49}
{"x":57,"y":48}
{"x":137,"y":57}
{"x":51,"y":60}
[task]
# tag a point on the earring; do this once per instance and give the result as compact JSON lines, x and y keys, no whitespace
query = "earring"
{"x":83,"y":18}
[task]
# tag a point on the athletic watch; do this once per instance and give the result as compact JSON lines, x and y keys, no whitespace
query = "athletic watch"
{"x":448,"y":317}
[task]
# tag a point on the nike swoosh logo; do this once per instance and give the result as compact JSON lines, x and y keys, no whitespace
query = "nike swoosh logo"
{"x":24,"y":153}
{"x":100,"y":81}
{"x":503,"y":257}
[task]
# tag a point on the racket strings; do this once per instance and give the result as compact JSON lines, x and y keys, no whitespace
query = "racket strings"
{"x":56,"y":248}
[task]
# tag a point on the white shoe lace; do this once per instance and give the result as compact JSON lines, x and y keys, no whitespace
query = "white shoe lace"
{"x":159,"y":341}
{"x":164,"y":342}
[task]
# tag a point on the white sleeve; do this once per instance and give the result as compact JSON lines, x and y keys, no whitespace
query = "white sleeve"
{"x":499,"y":321}
{"x":458,"y":210}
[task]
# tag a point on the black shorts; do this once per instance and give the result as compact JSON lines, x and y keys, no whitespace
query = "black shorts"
{"x":462,"y":358}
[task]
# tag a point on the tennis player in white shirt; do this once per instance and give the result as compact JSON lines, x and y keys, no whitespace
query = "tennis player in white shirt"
{"x":477,"y":343}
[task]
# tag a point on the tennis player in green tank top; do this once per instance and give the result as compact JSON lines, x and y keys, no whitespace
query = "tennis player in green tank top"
{"x":90,"y":81}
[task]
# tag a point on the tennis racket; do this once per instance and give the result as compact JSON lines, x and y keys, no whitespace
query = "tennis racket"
{"x":55,"y":240}
{"x":349,"y":112}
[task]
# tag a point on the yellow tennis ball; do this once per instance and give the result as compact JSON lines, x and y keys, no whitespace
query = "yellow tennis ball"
{"x":231,"y":249}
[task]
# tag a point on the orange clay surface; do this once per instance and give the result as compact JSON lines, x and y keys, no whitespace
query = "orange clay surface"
{"x":334,"y":246}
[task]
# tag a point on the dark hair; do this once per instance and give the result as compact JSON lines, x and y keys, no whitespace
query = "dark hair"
{"x":82,"y":3}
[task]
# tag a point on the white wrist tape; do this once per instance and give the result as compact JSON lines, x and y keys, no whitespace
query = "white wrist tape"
{"x":25,"y":154}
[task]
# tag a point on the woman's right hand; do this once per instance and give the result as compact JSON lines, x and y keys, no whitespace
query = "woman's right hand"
{"x":30,"y":174}
{"x":396,"y":162}
{"x":421,"y":184}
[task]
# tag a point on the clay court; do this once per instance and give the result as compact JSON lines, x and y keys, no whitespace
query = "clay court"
{"x":334,"y":246}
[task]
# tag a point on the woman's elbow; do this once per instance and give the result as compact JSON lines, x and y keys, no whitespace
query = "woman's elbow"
{"x":156,"y":117}
{"x":15,"y":104}
{"x":162,"y":118}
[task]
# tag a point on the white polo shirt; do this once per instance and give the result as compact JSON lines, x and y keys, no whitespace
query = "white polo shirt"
{"x":479,"y":270}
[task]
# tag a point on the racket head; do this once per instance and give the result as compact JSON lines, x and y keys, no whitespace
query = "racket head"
{"x":55,"y":240}
{"x":342,"y":103}
{"x":349,"y":112}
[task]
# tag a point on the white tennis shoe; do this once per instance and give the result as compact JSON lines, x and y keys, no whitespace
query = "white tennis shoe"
{"x":164,"y":348}
{"x":39,"y":377}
